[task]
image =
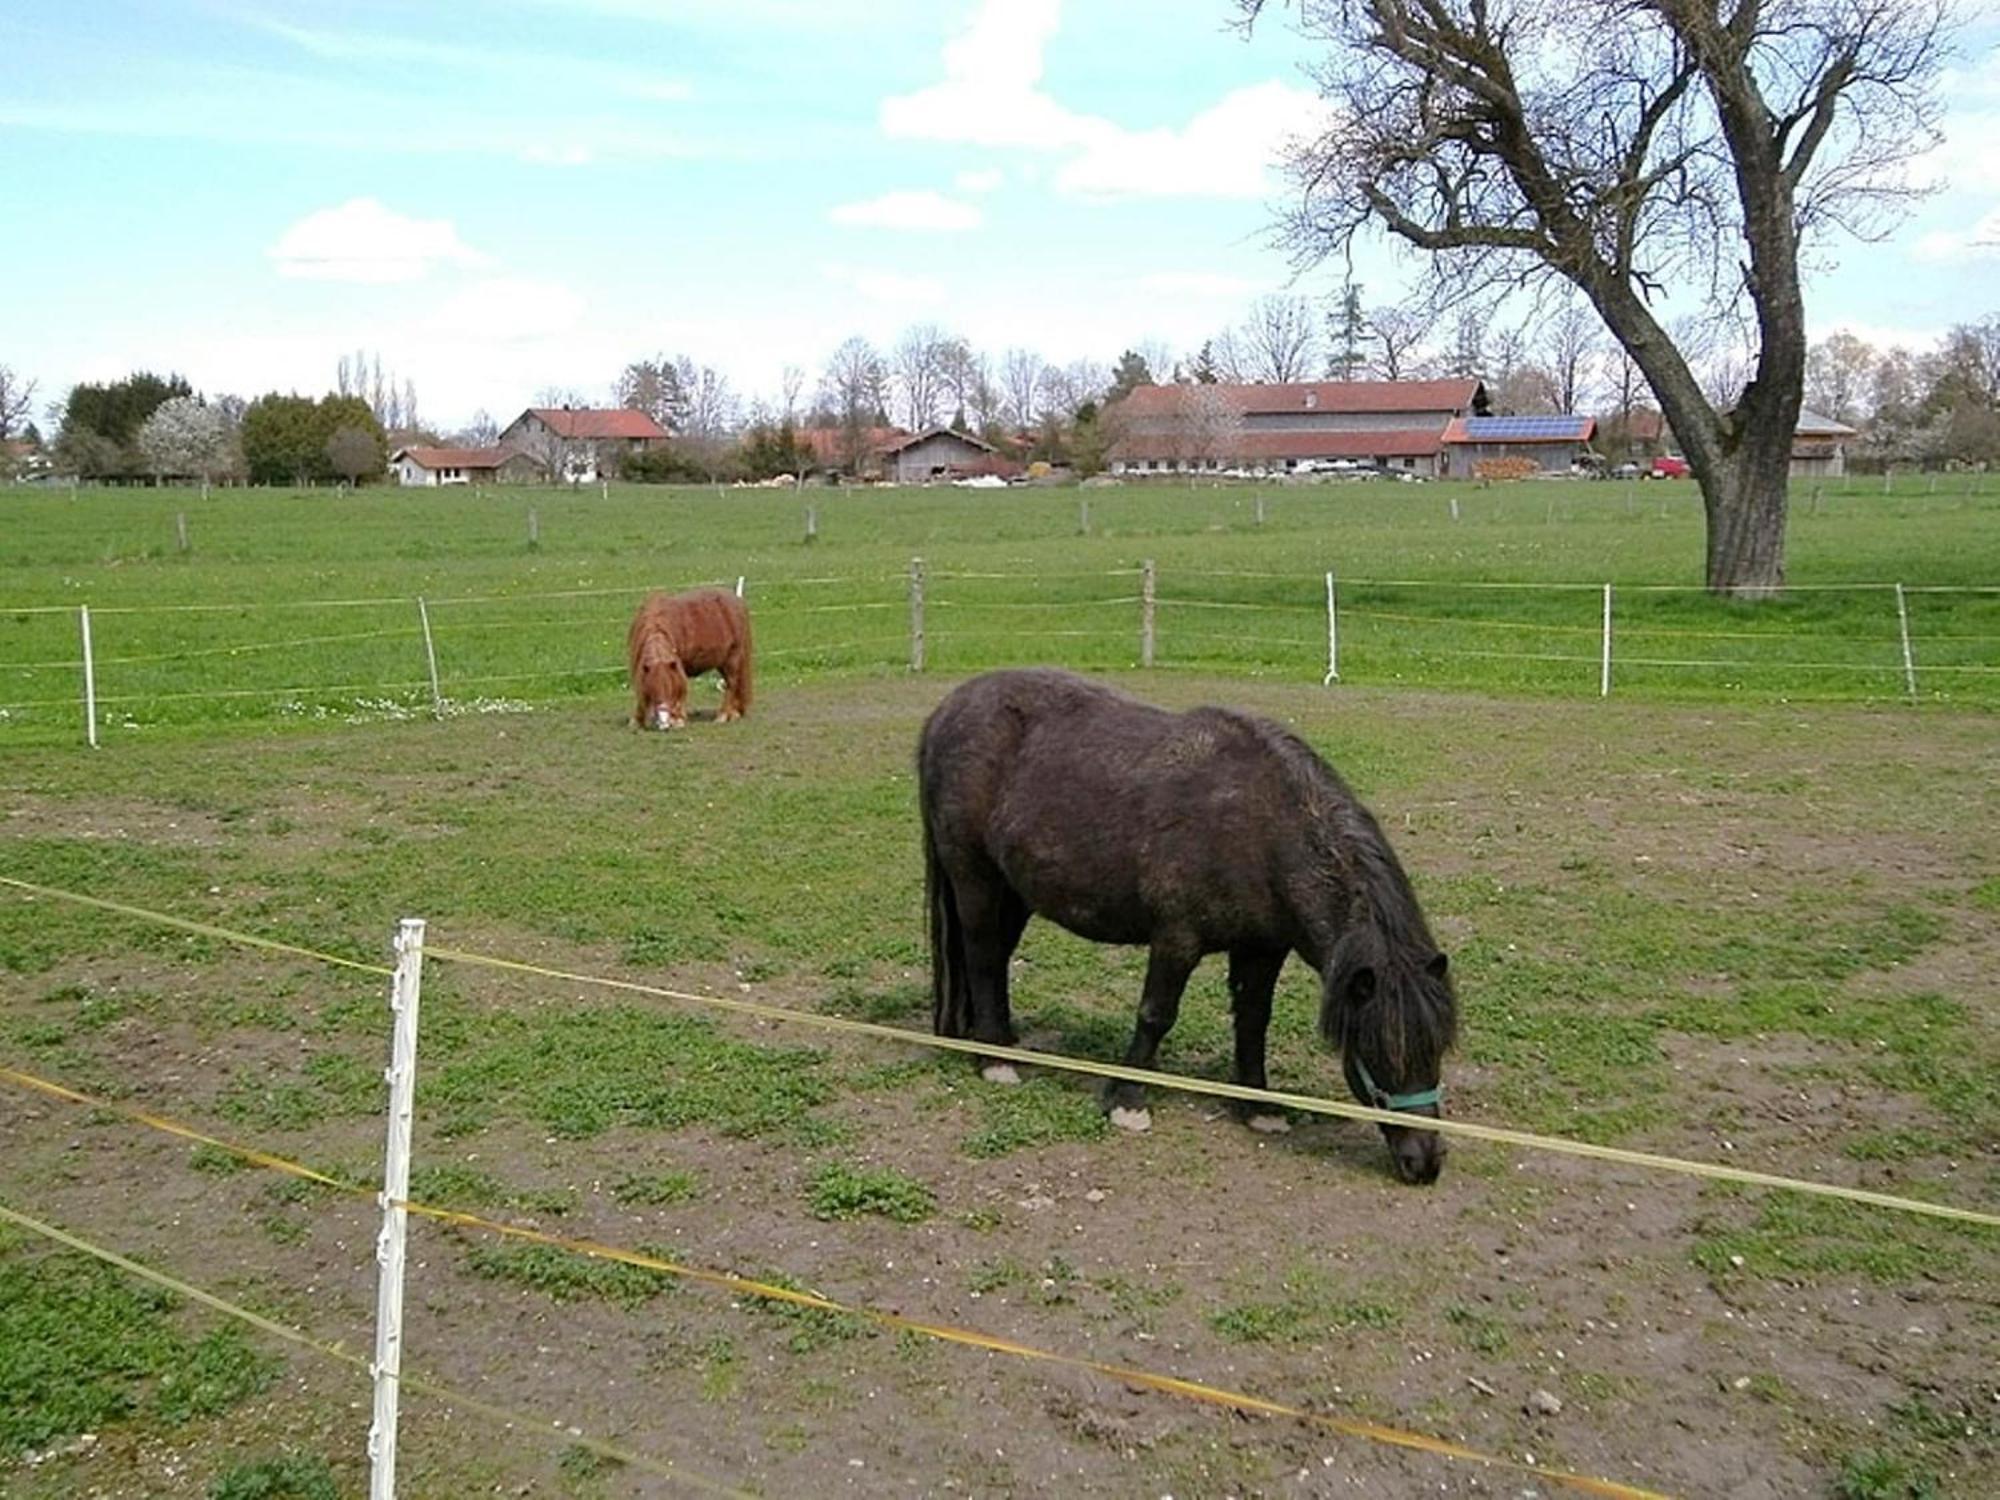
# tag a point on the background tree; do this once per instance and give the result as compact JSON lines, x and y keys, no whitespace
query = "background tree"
{"x":1021,"y":385}
{"x":653,"y":386}
{"x":1838,"y":369}
{"x":481,"y":432}
{"x":1280,"y":340}
{"x":1572,"y":343}
{"x":1398,"y":334}
{"x":186,"y":438}
{"x":17,"y":399}
{"x":918,"y":366}
{"x":354,"y":453}
{"x":853,"y":389}
{"x":100,"y":423}
{"x":1203,"y":368}
{"x":1347,"y":336}
{"x":282,"y":440}
{"x":1128,"y":374}
{"x":1468,"y":347}
{"x":1684,"y":144}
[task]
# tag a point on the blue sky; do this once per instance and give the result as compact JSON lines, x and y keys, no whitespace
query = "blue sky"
{"x":523,"y":193}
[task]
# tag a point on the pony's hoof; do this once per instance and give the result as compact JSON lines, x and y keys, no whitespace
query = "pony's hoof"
{"x":1000,"y":1072}
{"x":1269,"y":1124}
{"x":1138,"y":1121}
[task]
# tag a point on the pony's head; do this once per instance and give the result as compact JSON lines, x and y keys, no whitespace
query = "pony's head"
{"x":662,"y":683}
{"x":1392,"y":1013}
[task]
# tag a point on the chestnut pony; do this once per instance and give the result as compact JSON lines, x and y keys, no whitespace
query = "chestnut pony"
{"x":678,"y":636}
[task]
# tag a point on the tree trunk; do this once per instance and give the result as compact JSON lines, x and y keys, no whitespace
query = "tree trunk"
{"x":1745,"y":498}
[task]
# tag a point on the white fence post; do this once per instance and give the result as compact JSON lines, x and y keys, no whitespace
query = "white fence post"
{"x":89,"y":676}
{"x":534,"y":527}
{"x":1454,"y":507}
{"x":1604,"y":673}
{"x":1083,"y":516}
{"x":1332,"y":634}
{"x":812,"y":523}
{"x":1148,"y":583}
{"x":916,"y":614}
{"x":402,"y":1079}
{"x":430,"y":658}
{"x":181,"y":523}
{"x":739,"y":585}
{"x":1909,"y":661}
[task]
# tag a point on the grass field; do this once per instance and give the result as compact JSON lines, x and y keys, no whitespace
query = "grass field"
{"x":239,"y":627}
{"x":1723,"y":923}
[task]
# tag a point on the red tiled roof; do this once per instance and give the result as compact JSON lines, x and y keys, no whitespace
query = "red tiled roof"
{"x":1352,"y":396}
{"x":458,"y":458}
{"x":828,"y":445}
{"x":1268,"y":446}
{"x":586,"y":423}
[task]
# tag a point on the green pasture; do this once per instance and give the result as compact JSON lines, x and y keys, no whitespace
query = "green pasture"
{"x":291,"y":606}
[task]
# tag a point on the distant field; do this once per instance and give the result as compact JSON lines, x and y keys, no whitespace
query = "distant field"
{"x":293,"y":605}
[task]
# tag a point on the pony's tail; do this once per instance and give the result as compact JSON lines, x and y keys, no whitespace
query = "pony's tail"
{"x":951,"y":994}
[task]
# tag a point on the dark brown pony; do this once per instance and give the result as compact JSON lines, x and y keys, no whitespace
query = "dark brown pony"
{"x":678,"y":636}
{"x":1193,"y":833}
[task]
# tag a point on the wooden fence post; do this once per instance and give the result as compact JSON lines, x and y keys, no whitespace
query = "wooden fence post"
{"x":430,"y":658}
{"x":916,"y":614}
{"x":1148,"y":581}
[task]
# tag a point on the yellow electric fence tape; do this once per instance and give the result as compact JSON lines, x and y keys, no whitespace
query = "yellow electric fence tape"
{"x":1191,"y":1390}
{"x":1304,"y":1103}
{"x":503,"y":1415}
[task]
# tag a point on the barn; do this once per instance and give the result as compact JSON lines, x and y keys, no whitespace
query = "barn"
{"x":1819,"y":447}
{"x":1393,"y":424}
{"x":1552,"y":443}
{"x":580,"y":445}
{"x":940,"y":453}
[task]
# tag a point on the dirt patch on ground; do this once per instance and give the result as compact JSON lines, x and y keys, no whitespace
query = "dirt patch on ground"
{"x":1547,"y":1310}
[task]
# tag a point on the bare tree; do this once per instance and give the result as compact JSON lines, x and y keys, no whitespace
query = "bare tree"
{"x":1838,"y":369}
{"x":1398,"y":332}
{"x":1627,"y":148}
{"x":919,"y":364}
{"x":1570,"y":347}
{"x":1210,"y":425}
{"x":1281,"y":339}
{"x":17,"y":399}
{"x":481,"y":432}
{"x":791,"y":382}
{"x":1021,"y":384}
{"x":853,"y":388}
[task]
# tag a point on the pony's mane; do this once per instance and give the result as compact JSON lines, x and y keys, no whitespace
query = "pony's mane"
{"x":1385,"y":928}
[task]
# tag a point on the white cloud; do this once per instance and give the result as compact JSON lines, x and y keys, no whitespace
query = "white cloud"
{"x":921,"y":211}
{"x":991,"y":96}
{"x":365,"y":242}
{"x":1979,"y":241}
{"x":1226,"y":151}
{"x":889,"y":288}
{"x":508,"y":310}
{"x":1204,"y":285}
{"x":982,"y":181}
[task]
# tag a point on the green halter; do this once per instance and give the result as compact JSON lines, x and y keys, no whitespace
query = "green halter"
{"x":1422,"y":1099}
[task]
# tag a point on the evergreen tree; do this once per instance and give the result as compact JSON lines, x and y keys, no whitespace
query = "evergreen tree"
{"x":1347,"y":356}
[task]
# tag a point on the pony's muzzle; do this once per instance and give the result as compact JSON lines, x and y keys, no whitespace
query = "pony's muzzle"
{"x":1418,"y":1155}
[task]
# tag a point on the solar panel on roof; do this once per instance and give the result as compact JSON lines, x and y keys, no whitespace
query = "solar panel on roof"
{"x":1533,"y":428}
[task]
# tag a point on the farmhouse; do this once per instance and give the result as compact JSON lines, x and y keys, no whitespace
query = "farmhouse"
{"x":579,"y":445}
{"x":1819,"y":447}
{"x":434,"y":466}
{"x":1551,"y":443}
{"x":1398,"y":424}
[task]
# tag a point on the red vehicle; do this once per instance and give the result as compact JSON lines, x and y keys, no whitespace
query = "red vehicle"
{"x":1670,"y":466}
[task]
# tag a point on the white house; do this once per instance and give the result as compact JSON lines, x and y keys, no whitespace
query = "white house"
{"x":434,"y":466}
{"x":576,"y":444}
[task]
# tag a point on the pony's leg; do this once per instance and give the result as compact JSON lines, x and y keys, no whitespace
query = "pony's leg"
{"x":1168,"y":966}
{"x":1253,"y":975}
{"x":732,"y":688}
{"x":992,"y":916}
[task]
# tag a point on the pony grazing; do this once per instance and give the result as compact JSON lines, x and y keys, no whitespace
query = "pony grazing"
{"x":678,"y":636}
{"x":1189,"y":833}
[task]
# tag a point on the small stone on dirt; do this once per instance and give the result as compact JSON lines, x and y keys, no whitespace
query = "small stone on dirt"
{"x":1544,"y":1404}
{"x":1095,"y":1195}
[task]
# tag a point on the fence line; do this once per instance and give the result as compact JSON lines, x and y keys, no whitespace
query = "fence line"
{"x":740,"y":1285}
{"x":1277,"y":1099}
{"x":505,"y":1416}
{"x":1151,"y":648}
